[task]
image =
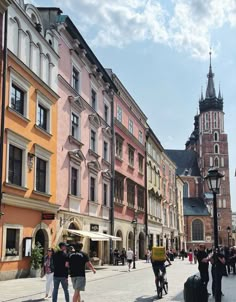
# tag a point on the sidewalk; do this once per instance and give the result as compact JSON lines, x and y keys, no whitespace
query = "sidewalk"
{"x":33,"y":289}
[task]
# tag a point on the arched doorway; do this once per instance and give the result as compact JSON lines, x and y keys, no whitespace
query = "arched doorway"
{"x":119,"y":244}
{"x":131,"y":240}
{"x":72,"y":238}
{"x":141,"y":246}
{"x":41,"y":237}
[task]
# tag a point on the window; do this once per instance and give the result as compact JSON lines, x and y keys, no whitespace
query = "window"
{"x":164,"y":190}
{"x":41,"y":174}
{"x":92,"y":188}
{"x":105,"y":194}
{"x":211,"y":161}
{"x":164,"y":170}
{"x":74,"y":181}
{"x":119,"y":188}
{"x":15,"y":165}
{"x":75,"y":126}
{"x":219,"y":203}
{"x":119,"y":113}
{"x":42,"y":117}
{"x":75,"y":79}
{"x":17,"y":99}
{"x":119,"y":146}
{"x":131,"y":156}
{"x":215,"y":120}
{"x":206,"y":121}
{"x":131,"y":126}
{"x":197,"y":230}
{"x":12,"y":242}
{"x":224,"y":203}
{"x":165,"y":216}
{"x":94,"y":99}
{"x":216,"y":162}
{"x":106,"y":113}
{"x":222,"y":162}
{"x":140,"y":136}
{"x":140,"y":163}
{"x":140,"y":198}
{"x":105,"y":151}
{"x":93,"y":140}
{"x":216,"y":149}
{"x":216,"y":136}
{"x":185,"y":190}
{"x":130,"y":193}
{"x":150,"y":171}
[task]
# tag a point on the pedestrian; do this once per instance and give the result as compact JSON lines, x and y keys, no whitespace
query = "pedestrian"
{"x":123,"y":256}
{"x":190,"y":256}
{"x":60,"y":261}
{"x":148,"y":253}
{"x":232,"y":259}
{"x":195,"y":255}
{"x":203,"y":264}
{"x":219,"y":264}
{"x":130,"y":257}
{"x":49,"y":271}
{"x":116,"y":256}
{"x":77,"y":264}
{"x":182,"y":254}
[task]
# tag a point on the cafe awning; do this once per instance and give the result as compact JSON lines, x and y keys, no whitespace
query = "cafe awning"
{"x":94,"y":236}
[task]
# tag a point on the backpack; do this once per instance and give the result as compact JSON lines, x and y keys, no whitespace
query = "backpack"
{"x":158,"y":253}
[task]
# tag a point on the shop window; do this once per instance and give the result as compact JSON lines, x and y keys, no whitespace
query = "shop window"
{"x":12,"y":242}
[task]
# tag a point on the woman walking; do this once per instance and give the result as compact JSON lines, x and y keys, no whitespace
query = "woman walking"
{"x":49,"y":269}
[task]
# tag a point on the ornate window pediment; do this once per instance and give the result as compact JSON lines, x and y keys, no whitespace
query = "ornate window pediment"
{"x":107,"y":174}
{"x":76,"y":156}
{"x":94,"y":166}
{"x":95,"y":120}
{"x":77,"y":102}
{"x":107,"y":132}
{"x":152,"y":191}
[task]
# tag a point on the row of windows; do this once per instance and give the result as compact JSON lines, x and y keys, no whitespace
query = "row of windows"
{"x":152,"y":152}
{"x":207,"y":121}
{"x":172,"y":218}
{"x":94,"y":98}
{"x":119,"y":116}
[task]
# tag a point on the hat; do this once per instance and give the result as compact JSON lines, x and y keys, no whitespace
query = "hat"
{"x":61,"y":244}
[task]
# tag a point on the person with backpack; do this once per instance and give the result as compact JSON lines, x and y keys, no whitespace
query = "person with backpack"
{"x":203,"y":264}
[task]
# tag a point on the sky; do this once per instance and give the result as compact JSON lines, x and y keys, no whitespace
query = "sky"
{"x":159,"y":49}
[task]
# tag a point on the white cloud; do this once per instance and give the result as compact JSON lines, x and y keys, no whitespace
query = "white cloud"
{"x":188,"y":28}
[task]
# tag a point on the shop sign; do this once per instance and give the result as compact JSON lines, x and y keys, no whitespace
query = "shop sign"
{"x":48,"y":216}
{"x":94,"y":227}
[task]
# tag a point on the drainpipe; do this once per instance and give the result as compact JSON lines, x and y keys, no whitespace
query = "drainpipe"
{"x":112,"y":179}
{"x":3,"y":106}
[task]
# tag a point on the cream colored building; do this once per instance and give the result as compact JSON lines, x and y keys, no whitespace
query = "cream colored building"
{"x":180,"y":213}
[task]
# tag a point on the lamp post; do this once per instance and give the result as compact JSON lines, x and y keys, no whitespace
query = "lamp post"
{"x":213,"y":178}
{"x":134,"y":223}
{"x":228,"y":231}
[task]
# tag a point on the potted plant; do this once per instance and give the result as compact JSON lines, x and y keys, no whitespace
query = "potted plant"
{"x":36,"y":260}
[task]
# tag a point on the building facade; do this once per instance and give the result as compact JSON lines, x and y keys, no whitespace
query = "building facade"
{"x":180,"y":213}
{"x":30,"y":138}
{"x":129,"y":183}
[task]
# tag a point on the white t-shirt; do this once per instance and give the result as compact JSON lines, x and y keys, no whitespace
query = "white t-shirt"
{"x":130,"y":255}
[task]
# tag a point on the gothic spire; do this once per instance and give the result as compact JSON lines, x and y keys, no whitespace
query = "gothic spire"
{"x":219,"y":95}
{"x":210,"y":92}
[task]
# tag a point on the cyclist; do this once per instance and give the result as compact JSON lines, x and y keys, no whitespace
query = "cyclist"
{"x":159,"y":264}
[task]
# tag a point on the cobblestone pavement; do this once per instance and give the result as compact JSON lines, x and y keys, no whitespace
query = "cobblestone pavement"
{"x":115,"y":283}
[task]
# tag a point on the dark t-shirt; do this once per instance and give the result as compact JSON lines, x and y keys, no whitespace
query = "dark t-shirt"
{"x":202,"y":265}
{"x":59,"y":261}
{"x":77,"y":262}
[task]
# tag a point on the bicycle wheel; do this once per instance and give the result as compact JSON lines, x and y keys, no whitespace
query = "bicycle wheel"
{"x":159,"y":289}
{"x":165,"y":287}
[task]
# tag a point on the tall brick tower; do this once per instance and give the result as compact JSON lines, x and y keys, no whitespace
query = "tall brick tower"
{"x":210,"y":141}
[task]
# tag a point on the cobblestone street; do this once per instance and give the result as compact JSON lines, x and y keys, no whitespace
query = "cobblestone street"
{"x":113,"y":284}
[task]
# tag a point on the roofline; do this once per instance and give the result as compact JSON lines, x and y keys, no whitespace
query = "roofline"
{"x":153,"y":135}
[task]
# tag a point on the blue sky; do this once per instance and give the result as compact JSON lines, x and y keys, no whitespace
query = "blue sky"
{"x":160,"y":51}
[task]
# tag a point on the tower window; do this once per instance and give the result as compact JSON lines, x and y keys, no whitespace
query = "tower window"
{"x":216,"y":137}
{"x":216,"y":149}
{"x":206,"y":121}
{"x":216,"y":162}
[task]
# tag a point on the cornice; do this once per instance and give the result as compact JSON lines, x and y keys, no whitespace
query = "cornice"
{"x":29,"y":203}
{"x":4,"y":5}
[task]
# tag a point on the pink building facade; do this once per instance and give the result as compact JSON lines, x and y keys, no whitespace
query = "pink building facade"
{"x":129,"y":183}
{"x":84,"y":144}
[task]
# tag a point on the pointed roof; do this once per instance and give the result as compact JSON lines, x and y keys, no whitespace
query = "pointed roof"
{"x":210,"y":92}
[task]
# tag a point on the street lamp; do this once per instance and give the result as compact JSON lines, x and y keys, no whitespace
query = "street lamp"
{"x":134,"y":223}
{"x":228,"y":230}
{"x":213,"y":179}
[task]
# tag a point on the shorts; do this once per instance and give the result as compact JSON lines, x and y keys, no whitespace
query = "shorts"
{"x":78,"y":283}
{"x":129,"y":260}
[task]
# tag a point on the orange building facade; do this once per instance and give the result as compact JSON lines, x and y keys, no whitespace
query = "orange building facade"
{"x":29,"y":164}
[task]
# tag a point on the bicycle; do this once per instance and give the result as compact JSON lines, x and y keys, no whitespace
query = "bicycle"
{"x":161,"y":283}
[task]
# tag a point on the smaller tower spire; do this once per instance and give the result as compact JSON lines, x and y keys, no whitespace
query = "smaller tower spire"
{"x":202,"y":98}
{"x":219,"y":95}
{"x":210,"y":92}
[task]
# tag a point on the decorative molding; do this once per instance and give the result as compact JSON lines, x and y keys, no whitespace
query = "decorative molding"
{"x":76,"y":156}
{"x":94,"y":154}
{"x":77,"y":102}
{"x":107,"y":174}
{"x":95,"y":120}
{"x":107,"y":132}
{"x":94,"y":166}
{"x":75,"y":141}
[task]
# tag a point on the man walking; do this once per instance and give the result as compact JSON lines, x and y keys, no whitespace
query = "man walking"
{"x":130,"y":257}
{"x":60,"y":262}
{"x":203,"y":264}
{"x":77,"y":263}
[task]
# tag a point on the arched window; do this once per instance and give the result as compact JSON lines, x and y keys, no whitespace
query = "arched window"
{"x":197,"y":230}
{"x":14,"y":37}
{"x":155,"y":176}
{"x":216,"y":149}
{"x":216,"y":162}
{"x":215,"y":120}
{"x":216,"y":137}
{"x":158,"y":180}
{"x":185,"y":191}
{"x":26,"y":49}
{"x":38,"y":63}
{"x":206,"y":121}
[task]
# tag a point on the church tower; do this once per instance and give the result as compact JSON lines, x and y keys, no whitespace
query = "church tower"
{"x":211,"y":144}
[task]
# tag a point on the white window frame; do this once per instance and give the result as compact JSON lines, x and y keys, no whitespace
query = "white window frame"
{"x":96,"y":187}
{"x":96,"y":142}
{"x":47,"y":104}
{"x":79,"y":69}
{"x":108,"y":147}
{"x":95,"y":88}
{"x":77,"y":167}
{"x":109,"y":111}
{"x":4,"y":241}
{"x":21,"y":143}
{"x":24,"y":85}
{"x":44,"y":155}
{"x":207,"y":121}
{"x":140,"y":136}
{"x":129,"y":126}
{"x":119,"y":113}
{"x":79,"y":124}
